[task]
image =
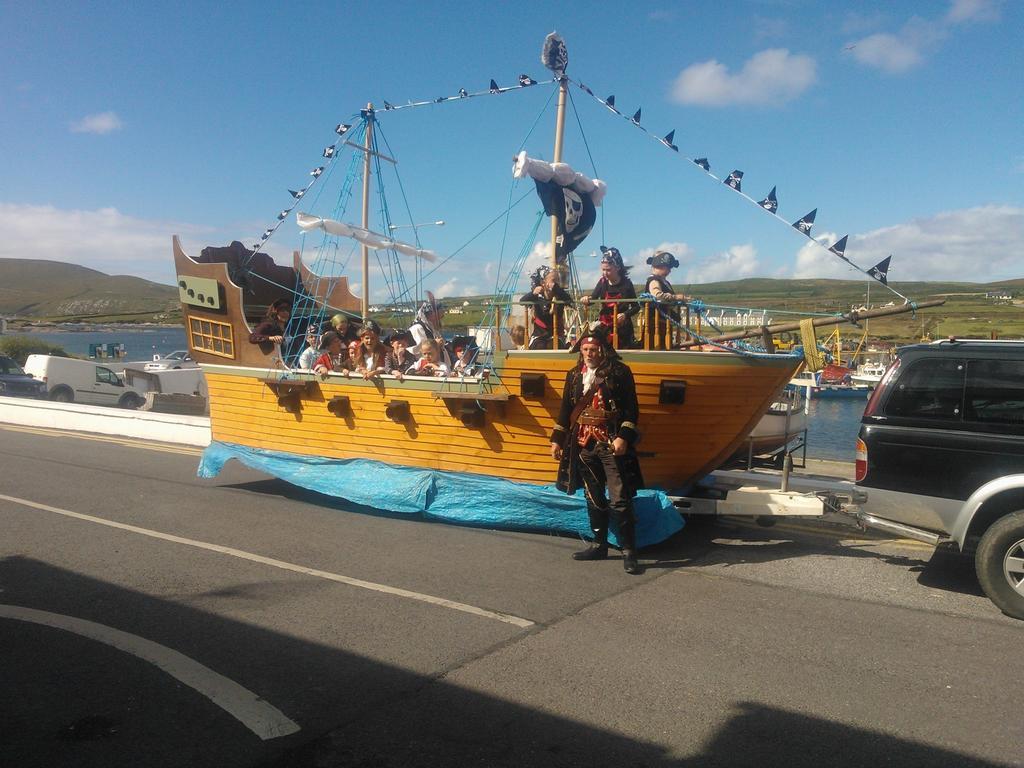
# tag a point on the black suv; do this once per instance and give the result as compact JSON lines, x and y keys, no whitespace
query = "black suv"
{"x":941,"y":452}
{"x":14,"y":382}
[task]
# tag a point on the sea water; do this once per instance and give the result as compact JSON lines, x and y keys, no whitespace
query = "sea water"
{"x":832,"y":426}
{"x":831,"y":430}
{"x":139,"y":344}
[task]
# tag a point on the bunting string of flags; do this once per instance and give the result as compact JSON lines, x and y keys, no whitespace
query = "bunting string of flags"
{"x":330,"y":152}
{"x":734,"y":181}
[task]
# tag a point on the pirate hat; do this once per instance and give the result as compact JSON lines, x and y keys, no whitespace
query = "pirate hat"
{"x":404,"y":336}
{"x":663,"y":259}
{"x":611,"y":255}
{"x":463,"y":342}
{"x":596,"y":332}
{"x":371,"y":327}
{"x":538,"y":275}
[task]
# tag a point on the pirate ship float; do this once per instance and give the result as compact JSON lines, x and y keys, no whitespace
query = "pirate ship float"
{"x":430,"y":437}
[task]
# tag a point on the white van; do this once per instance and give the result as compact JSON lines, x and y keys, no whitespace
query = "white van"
{"x":81,"y":381}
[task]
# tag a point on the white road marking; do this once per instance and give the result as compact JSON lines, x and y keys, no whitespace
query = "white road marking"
{"x":126,"y":441}
{"x":263,"y":719}
{"x":374,"y":587}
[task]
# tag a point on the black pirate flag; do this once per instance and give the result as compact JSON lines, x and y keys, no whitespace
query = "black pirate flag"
{"x":574,"y":211}
{"x":881,"y":270}
{"x":770,"y":203}
{"x":805,"y":224}
{"x":735,"y":180}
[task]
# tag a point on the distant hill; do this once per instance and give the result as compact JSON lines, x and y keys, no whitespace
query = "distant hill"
{"x":53,"y":290}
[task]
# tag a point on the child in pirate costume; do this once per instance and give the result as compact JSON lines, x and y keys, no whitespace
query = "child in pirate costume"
{"x":399,"y":358}
{"x":593,"y":440}
{"x":615,"y":284}
{"x":549,"y":301}
{"x":662,"y":316}
{"x":373,"y":353}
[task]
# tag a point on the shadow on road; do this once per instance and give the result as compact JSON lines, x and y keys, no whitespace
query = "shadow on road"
{"x":708,"y":541}
{"x":69,"y":701}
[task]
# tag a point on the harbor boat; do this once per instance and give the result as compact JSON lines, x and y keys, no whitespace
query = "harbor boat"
{"x":443,"y":445}
{"x":813,"y":386}
{"x":868,"y":374}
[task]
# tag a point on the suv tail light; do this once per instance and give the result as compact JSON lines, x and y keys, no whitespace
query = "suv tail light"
{"x":876,"y":396}
{"x":861,"y":464}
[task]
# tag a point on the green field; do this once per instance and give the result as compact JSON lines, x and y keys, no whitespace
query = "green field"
{"x":35,"y":290}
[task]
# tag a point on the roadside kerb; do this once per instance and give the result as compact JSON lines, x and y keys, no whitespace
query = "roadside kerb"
{"x":165,"y":428}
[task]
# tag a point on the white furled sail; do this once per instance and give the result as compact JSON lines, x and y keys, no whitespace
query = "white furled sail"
{"x":365,"y":236}
{"x":561,"y":174}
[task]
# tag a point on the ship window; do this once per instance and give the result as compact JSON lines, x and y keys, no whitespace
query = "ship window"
{"x":212,"y":336}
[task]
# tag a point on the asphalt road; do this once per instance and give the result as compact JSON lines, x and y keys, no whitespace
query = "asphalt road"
{"x":148,"y":618}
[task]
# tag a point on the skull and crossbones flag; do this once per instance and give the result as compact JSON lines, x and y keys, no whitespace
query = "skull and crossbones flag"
{"x":574,"y":213}
{"x":735,"y":180}
{"x":804,"y":225}
{"x":839,"y":248}
{"x":554,"y":55}
{"x":703,"y":163}
{"x":770,"y":203}
{"x":881,"y":270}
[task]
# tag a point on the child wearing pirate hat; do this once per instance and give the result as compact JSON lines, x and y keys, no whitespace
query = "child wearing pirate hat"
{"x":664,"y":315}
{"x":548,"y":300}
{"x":612,"y":289}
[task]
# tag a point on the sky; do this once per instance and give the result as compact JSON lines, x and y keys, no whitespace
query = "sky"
{"x":122,"y":124}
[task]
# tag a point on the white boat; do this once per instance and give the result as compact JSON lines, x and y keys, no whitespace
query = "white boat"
{"x":783,"y":422}
{"x":868,"y":374}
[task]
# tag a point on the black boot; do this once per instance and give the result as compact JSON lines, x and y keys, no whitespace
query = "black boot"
{"x":629,"y":563}
{"x":596,"y":551}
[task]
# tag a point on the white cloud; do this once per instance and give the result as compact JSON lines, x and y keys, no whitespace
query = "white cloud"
{"x":814,"y":261}
{"x":103,"y":122}
{"x":973,"y":10}
{"x":980,"y":244}
{"x":773,"y":76}
{"x":539,"y":256}
{"x":734,"y":264}
{"x":104,"y":239}
{"x":890,"y":53}
{"x":681,"y":251}
{"x":898,"y":52}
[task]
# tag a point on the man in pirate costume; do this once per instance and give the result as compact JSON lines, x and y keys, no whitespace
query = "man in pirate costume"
{"x":662,"y":316}
{"x":549,"y":301}
{"x":594,"y":438}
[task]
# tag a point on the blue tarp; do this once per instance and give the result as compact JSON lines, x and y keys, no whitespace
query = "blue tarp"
{"x":490,"y":502}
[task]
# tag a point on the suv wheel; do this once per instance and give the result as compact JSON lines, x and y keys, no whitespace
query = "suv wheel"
{"x":1000,"y":564}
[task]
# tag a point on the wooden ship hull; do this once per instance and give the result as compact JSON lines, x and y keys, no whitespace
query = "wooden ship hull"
{"x":696,"y":407}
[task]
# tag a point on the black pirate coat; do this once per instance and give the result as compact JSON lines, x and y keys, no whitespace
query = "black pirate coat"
{"x":619,"y":393}
{"x":545,"y":311}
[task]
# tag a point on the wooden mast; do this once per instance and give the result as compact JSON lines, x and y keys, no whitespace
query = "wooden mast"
{"x":563,"y":87}
{"x":368,"y":145}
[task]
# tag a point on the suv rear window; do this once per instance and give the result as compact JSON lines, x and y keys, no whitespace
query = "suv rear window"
{"x":932,"y":388}
{"x":995,"y":392}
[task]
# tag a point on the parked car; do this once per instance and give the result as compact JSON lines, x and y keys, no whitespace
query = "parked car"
{"x":70,"y":380}
{"x":14,"y":382}
{"x":941,"y":451}
{"x":171,"y":361}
